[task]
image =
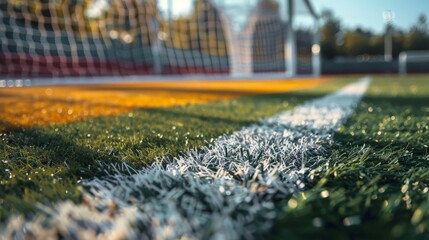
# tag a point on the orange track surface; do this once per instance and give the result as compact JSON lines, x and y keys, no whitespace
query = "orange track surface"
{"x":38,"y":106}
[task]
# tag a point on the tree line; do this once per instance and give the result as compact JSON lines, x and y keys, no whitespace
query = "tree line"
{"x":337,"y":41}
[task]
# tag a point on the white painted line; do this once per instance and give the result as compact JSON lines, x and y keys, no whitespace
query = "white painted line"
{"x":226,"y":190}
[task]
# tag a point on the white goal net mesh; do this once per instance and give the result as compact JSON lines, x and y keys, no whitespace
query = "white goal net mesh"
{"x":55,"y":38}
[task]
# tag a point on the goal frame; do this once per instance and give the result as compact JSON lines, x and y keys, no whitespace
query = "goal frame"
{"x":406,"y":57}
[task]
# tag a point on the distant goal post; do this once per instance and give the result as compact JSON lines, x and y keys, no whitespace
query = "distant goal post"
{"x":407,"y":57}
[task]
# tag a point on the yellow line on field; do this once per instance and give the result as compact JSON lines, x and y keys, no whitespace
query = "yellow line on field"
{"x":38,"y":106}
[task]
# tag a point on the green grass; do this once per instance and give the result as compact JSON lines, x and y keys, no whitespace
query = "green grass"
{"x":45,"y":164}
{"x":377,"y":175}
{"x":374,"y":183}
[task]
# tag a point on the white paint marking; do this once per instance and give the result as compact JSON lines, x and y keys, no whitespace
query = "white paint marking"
{"x":224,"y":191}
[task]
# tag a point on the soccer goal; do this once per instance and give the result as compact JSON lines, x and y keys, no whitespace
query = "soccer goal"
{"x":409,"y":57}
{"x":44,"y":38}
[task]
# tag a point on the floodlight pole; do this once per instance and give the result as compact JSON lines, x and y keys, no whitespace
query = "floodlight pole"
{"x":388,"y":17}
{"x":388,"y":44}
{"x":291,"y":53}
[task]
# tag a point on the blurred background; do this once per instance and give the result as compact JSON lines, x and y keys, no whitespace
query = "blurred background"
{"x":69,"y":38}
{"x":369,"y":36}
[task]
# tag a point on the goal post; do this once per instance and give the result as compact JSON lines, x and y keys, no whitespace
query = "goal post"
{"x":79,"y":38}
{"x":407,"y":57}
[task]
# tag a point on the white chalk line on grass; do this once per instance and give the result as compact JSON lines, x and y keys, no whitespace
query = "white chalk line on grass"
{"x":226,"y":190}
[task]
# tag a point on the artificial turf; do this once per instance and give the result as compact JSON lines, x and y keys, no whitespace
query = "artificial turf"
{"x":45,"y":164}
{"x":372,"y":184}
{"x":375,"y":181}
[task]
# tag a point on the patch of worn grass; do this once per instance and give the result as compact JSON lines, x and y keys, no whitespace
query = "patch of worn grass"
{"x":45,"y":164}
{"x":375,"y":183}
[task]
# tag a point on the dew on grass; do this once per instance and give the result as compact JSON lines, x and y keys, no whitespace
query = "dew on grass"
{"x":406,"y":198}
{"x":404,"y":188}
{"x":292,"y":203}
{"x":385,"y":203}
{"x":324,"y":194}
{"x":350,"y":221}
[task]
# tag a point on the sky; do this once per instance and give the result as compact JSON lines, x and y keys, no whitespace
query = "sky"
{"x":353,"y":13}
{"x":368,"y":13}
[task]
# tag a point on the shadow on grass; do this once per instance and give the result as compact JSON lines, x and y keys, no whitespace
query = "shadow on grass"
{"x":49,"y":173}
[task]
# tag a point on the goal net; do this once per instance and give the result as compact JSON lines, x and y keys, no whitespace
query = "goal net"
{"x":55,"y":38}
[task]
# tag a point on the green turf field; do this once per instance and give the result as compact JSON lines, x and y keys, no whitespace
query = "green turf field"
{"x":373,"y":183}
{"x":45,"y":164}
{"x":377,"y":176}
